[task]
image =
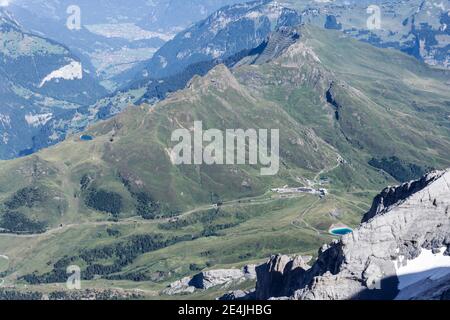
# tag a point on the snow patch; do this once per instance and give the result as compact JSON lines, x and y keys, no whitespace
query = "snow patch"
{"x":423,"y":267}
{"x":72,"y":71}
{"x":4,"y":137}
{"x":183,"y":54}
{"x":254,"y":15}
{"x":38,"y":119}
{"x":163,"y":61}
{"x":213,"y":52}
{"x":5,"y":120}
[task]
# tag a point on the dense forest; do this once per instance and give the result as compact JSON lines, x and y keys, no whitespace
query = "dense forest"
{"x":401,"y":170}
{"x":16,"y":222}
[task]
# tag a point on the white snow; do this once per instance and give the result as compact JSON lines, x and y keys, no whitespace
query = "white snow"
{"x":426,"y":266}
{"x":163,"y":61}
{"x":38,"y":119}
{"x":253,"y":15}
{"x":183,"y":54}
{"x":72,"y":71}
{"x":213,"y":52}
{"x":5,"y":120}
{"x":4,"y":137}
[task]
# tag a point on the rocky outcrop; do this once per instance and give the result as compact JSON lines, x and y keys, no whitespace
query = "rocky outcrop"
{"x":395,"y":195}
{"x":276,"y":44}
{"x":209,"y":279}
{"x":279,"y":275}
{"x":238,"y":295}
{"x":402,"y":223}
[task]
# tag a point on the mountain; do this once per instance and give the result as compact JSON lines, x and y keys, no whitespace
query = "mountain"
{"x":226,"y":32}
{"x":40,"y":80}
{"x":113,"y":36}
{"x":248,"y":26}
{"x":150,"y":82}
{"x":400,"y":251}
{"x":414,"y":27}
{"x":352,"y":118}
{"x":417,"y":27}
{"x":98,"y":51}
{"x":144,"y":87}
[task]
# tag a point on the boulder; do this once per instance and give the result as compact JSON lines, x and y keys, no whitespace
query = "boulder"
{"x":212,"y":278}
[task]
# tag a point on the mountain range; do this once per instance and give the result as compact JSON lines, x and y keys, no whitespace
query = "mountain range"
{"x":227,"y":34}
{"x":113,"y":36}
{"x":415,"y":27}
{"x":352,"y":118}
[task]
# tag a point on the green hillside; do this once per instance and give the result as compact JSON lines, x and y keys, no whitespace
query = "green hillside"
{"x":352,"y":119}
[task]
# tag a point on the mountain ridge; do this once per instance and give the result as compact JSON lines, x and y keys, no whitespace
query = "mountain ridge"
{"x":160,"y":211}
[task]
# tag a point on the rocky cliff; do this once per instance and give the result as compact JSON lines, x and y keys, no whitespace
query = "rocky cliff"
{"x":401,"y":250}
{"x":210,"y":279}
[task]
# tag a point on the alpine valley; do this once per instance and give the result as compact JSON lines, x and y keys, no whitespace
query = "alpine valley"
{"x":354,"y":116}
{"x":40,"y":80}
{"x":116,"y":205}
{"x":137,"y":55}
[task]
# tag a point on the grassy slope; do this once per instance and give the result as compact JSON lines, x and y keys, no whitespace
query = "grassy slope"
{"x":389,"y":105}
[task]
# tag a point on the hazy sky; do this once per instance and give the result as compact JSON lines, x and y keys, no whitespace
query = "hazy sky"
{"x":4,"y":3}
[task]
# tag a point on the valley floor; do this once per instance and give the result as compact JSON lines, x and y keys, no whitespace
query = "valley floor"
{"x":292,"y":224}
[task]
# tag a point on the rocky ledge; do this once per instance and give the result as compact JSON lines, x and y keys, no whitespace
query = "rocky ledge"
{"x":401,"y":250}
{"x":209,"y":279}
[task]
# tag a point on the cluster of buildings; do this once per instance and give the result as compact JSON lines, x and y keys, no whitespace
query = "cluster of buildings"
{"x":322,"y":192}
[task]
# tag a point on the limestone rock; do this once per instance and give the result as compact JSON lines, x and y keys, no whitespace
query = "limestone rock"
{"x":212,"y":278}
{"x":238,"y":295}
{"x":279,"y":276}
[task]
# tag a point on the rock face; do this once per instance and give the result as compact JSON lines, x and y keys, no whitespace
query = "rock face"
{"x":402,"y":223}
{"x":279,"y":275}
{"x":209,"y":279}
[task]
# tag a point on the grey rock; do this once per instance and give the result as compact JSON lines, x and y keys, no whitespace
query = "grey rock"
{"x":179,"y":287}
{"x":208,"y":279}
{"x":213,"y":278}
{"x":238,"y":295}
{"x":279,"y":275}
{"x":446,"y":295}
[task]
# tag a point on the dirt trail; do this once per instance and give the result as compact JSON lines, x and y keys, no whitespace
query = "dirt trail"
{"x":138,"y":220}
{"x":301,"y":219}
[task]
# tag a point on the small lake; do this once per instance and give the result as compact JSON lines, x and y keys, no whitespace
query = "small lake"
{"x":86,"y":137}
{"x":341,"y":231}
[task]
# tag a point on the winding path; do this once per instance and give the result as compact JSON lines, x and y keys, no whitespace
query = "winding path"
{"x":137,"y":219}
